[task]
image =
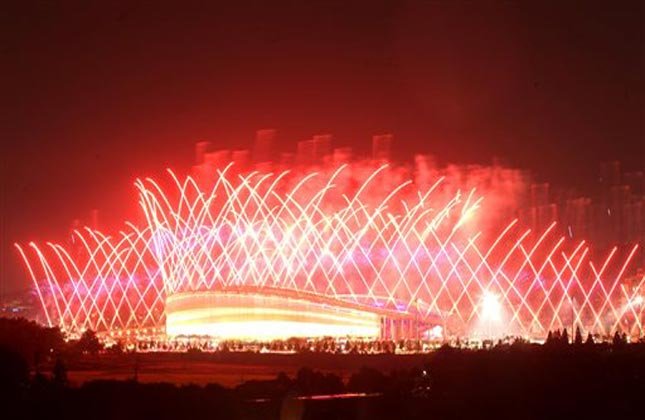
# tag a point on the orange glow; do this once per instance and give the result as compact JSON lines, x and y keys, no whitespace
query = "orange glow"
{"x":263,"y":317}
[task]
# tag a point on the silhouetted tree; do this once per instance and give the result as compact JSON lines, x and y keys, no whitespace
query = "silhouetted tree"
{"x":367,"y":380}
{"x":14,"y":373}
{"x":89,"y":343}
{"x":618,"y":339}
{"x":589,"y":340}
{"x":59,"y":374}
{"x":578,"y":339}
{"x":309,"y":382}
{"x":283,"y":379}
{"x":564,"y":339}
{"x":30,"y":340}
{"x":116,"y":348}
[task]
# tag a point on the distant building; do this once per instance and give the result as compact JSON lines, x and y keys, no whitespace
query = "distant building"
{"x":201,"y":148}
{"x":321,"y":146}
{"x":241,"y":159}
{"x":381,"y":147}
{"x":341,"y":155}
{"x":264,"y":146}
{"x":306,"y":152}
{"x":609,"y":174}
{"x":613,"y":214}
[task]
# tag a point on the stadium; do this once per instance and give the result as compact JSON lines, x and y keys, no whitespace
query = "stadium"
{"x":340,"y":249}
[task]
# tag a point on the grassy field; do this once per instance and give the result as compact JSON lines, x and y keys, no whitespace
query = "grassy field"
{"x":228,"y":369}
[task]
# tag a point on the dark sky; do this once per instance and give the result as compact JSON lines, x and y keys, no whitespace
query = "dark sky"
{"x":96,"y":95}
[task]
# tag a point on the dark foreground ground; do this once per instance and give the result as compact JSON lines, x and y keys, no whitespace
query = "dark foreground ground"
{"x":43,"y":377}
{"x":518,"y":381}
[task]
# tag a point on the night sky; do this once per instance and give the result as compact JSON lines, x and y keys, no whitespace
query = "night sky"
{"x":94,"y":96}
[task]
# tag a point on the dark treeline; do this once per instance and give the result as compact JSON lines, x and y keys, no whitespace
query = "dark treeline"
{"x":519,"y":380}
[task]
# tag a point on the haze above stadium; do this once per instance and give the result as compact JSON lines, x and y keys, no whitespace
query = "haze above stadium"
{"x":102,"y":94}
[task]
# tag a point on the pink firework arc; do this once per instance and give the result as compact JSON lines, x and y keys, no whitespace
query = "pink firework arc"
{"x":261,"y":256}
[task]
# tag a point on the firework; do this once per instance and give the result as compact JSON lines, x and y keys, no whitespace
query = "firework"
{"x":328,"y":253}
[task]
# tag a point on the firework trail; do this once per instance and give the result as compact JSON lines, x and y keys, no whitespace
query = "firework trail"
{"x":429,"y":245}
